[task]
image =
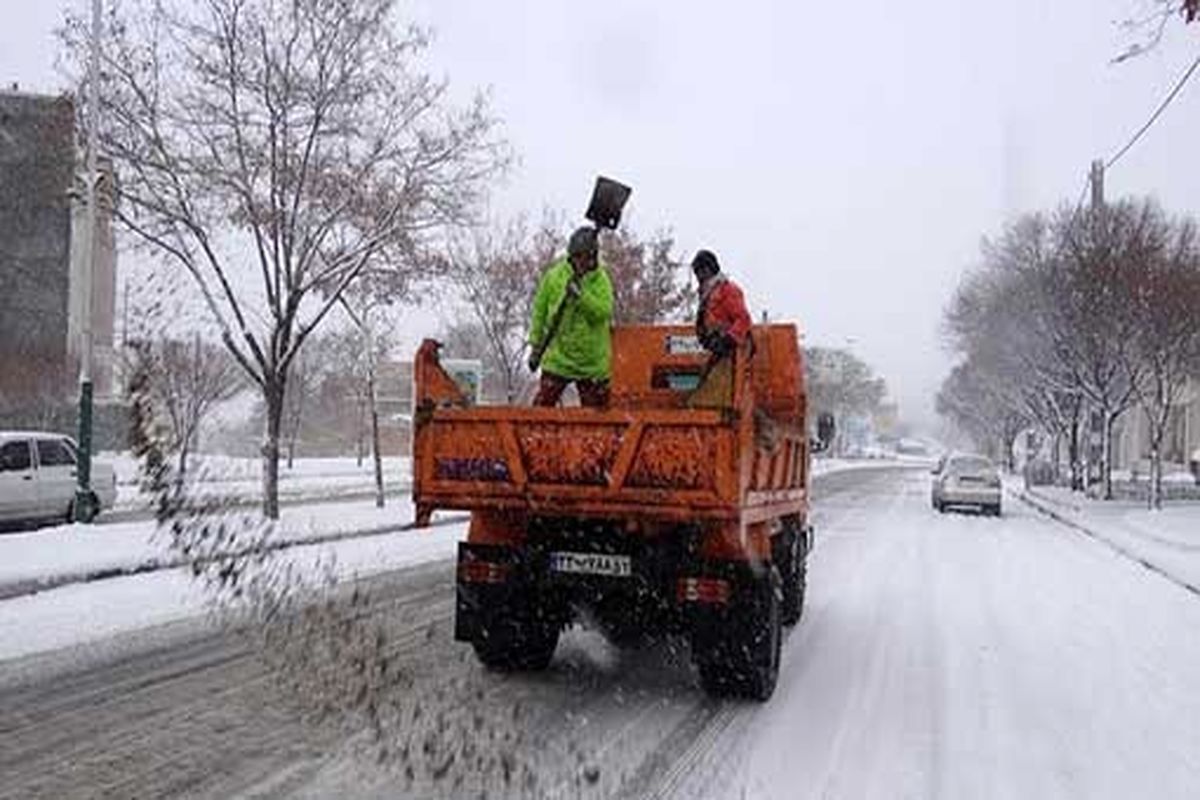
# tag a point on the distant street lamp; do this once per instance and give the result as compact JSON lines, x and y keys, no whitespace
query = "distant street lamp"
{"x":85,"y":510}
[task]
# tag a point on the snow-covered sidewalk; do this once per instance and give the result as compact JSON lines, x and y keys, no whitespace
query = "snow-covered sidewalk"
{"x":51,"y":557}
{"x":240,"y":479}
{"x":1166,"y":541}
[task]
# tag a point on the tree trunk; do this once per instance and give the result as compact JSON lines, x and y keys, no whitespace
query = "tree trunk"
{"x":375,"y":442}
{"x":1106,"y":465}
{"x":1073,"y":453}
{"x":273,"y":395}
{"x":184,"y":449}
{"x":181,"y":472}
{"x":1056,"y":457}
{"x":1156,"y":476}
{"x":359,"y":433}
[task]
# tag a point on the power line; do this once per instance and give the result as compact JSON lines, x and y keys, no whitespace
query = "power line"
{"x":1157,"y":113}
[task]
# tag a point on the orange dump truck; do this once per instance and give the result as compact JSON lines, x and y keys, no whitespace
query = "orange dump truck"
{"x":682,"y":507}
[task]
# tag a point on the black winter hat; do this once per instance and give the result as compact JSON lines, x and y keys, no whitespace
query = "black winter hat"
{"x":706,"y":261}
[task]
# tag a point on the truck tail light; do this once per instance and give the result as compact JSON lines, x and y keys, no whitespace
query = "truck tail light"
{"x":483,"y":572}
{"x":710,"y":591}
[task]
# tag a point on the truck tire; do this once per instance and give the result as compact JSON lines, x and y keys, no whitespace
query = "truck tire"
{"x":791,"y":560}
{"x":517,"y":644}
{"x":745,"y":663}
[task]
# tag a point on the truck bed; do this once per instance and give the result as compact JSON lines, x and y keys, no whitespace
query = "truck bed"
{"x":649,"y":456}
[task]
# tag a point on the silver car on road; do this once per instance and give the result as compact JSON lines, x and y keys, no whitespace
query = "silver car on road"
{"x":967,"y":480}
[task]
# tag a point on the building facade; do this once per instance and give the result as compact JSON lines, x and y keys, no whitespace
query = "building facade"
{"x":1181,"y":443}
{"x":42,"y":215}
{"x":37,"y":165}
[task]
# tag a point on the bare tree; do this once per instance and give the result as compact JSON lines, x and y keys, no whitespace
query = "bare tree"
{"x":497,"y":271}
{"x":1101,"y":258}
{"x":1149,"y":22}
{"x":1167,"y":342}
{"x":362,"y":310}
{"x":646,"y":278}
{"x":1003,"y":320}
{"x":185,"y":381}
{"x":277,"y":151}
{"x":1079,"y":314}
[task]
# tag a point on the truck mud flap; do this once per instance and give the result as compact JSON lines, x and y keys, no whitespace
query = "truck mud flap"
{"x":487,"y":579}
{"x":712,"y":595}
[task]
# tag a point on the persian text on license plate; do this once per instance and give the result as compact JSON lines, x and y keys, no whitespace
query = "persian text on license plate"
{"x":613,"y":566}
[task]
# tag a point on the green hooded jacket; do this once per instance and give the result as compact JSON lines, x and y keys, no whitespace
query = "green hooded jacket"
{"x":582,"y":348}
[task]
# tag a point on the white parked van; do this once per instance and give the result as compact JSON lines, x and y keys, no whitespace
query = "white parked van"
{"x":37,"y":477}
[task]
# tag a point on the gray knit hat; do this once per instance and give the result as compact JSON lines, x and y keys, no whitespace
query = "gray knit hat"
{"x":582,"y":242}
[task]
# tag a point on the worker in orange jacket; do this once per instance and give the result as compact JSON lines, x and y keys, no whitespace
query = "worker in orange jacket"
{"x":722,"y":319}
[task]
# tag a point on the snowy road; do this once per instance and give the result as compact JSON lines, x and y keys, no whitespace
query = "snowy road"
{"x":939,"y":656}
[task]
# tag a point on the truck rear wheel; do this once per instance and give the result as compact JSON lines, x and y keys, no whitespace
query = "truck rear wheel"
{"x":745,"y":661}
{"x":791,"y":559}
{"x":516,"y":643}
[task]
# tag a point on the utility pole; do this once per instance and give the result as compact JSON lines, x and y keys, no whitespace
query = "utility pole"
{"x":84,"y":506}
{"x":1098,"y":443}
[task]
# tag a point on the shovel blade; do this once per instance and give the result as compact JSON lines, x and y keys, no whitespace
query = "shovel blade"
{"x":608,"y":201}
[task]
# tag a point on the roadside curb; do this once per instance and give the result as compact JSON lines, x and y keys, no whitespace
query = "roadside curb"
{"x":1046,"y":508}
{"x":24,"y":588}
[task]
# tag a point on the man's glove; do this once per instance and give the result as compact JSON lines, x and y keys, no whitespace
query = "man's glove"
{"x":535,"y":360}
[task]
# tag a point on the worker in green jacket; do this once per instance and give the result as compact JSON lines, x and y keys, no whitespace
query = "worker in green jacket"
{"x":579,"y":349}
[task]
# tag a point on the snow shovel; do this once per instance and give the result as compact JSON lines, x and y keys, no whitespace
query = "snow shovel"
{"x":604,"y":211}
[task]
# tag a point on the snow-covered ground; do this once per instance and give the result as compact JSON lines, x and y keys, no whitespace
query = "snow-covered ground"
{"x":53,"y":556}
{"x":824,"y":466}
{"x":965,"y":656}
{"x":954,"y":656}
{"x":1168,"y":539}
{"x":85,"y":612}
{"x":241,"y":478}
{"x":229,"y":469}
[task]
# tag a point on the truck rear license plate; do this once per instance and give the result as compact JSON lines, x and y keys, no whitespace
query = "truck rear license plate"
{"x":613,"y":566}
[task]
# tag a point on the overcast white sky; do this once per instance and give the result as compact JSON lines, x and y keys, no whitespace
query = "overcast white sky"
{"x":843,"y":160}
